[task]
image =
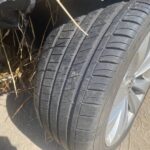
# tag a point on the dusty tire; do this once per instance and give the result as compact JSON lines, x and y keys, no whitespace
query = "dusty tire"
{"x":78,"y":76}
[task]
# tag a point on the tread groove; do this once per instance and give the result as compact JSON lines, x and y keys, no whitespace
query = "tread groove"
{"x":54,"y":42}
{"x":74,"y":31}
{"x":68,"y":72}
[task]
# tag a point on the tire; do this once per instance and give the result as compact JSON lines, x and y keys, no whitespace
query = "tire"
{"x":78,"y":76}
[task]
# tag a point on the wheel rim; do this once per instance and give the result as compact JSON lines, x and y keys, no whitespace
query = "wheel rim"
{"x":130,"y":95}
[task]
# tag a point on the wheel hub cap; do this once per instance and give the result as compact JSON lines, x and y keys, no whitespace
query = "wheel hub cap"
{"x":130,"y":95}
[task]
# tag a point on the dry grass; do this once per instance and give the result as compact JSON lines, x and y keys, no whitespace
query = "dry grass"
{"x":17,"y":55}
{"x":72,"y":19}
{"x":18,"y":58}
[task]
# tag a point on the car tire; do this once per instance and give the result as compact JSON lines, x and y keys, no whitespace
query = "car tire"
{"x":78,"y":76}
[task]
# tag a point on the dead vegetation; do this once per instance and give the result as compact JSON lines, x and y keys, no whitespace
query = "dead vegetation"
{"x":18,"y":57}
{"x":15,"y":58}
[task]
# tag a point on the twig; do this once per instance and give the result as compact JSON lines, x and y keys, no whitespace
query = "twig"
{"x":5,"y":35}
{"x":13,"y":79}
{"x":33,"y":33}
{"x":51,"y":14}
{"x":20,"y":107}
{"x":42,"y":41}
{"x":72,"y":19}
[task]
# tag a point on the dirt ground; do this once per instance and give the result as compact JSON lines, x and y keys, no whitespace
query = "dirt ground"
{"x":23,"y":131}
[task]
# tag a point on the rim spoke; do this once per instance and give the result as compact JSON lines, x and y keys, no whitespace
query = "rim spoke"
{"x":144,"y":67}
{"x":130,"y":117}
{"x":134,"y":102}
{"x":148,"y":45}
{"x":119,"y":119}
{"x":146,"y":64}
{"x":143,"y":53}
{"x":145,"y":47}
{"x":140,"y":86}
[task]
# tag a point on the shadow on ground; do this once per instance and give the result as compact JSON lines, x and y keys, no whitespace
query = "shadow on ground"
{"x":26,"y":121}
{"x":5,"y":144}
